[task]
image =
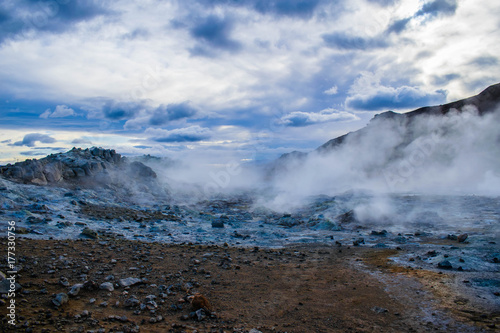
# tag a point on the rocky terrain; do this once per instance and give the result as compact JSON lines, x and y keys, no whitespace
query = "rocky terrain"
{"x":106,"y":243}
{"x":111,"y":285}
{"x":75,"y":165}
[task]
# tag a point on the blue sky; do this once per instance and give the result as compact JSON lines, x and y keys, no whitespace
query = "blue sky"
{"x":249,"y":78}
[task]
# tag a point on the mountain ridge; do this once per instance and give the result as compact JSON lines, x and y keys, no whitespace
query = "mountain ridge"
{"x":485,"y":102}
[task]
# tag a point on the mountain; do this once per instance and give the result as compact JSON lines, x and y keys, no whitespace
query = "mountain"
{"x":485,"y":102}
{"x":391,"y":140}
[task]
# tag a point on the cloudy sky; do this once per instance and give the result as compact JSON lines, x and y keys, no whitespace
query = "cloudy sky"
{"x":252,"y":78}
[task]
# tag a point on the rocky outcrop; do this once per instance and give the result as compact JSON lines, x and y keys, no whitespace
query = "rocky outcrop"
{"x":73,"y":165}
{"x":139,"y":170}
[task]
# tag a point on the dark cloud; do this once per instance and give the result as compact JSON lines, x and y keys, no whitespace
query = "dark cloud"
{"x":398,"y":25}
{"x":444,"y":79}
{"x":188,"y":134}
{"x":295,"y":8}
{"x":485,"y":61}
{"x":438,"y":7}
{"x":385,"y":98}
{"x":30,"y":140}
{"x":344,"y":41}
{"x":430,"y":9}
{"x":289,"y":8}
{"x":300,"y":119}
{"x":215,"y":31}
{"x":383,"y":3}
{"x":32,"y":153}
{"x":22,"y":16}
{"x":163,"y":114}
{"x":142,"y":147}
{"x":113,"y":110}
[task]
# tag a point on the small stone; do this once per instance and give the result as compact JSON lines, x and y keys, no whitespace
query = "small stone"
{"x":358,"y":241}
{"x":90,"y":233}
{"x":452,"y":237}
{"x":217,"y":224}
{"x":379,"y":310}
{"x":107,"y":286}
{"x":130,"y":281}
{"x":200,"y":302}
{"x":5,"y":286}
{"x":200,"y":314}
{"x":379,"y":233}
{"x":461,"y":238}
{"x":75,"y":290}
{"x":90,"y":285}
{"x":132,"y":302}
{"x":445,"y":264}
{"x":400,"y":240}
{"x":60,"y":299}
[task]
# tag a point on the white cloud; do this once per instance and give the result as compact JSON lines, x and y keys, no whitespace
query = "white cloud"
{"x":299,"y":118}
{"x":283,"y":63}
{"x":332,"y":91}
{"x":61,"y":111}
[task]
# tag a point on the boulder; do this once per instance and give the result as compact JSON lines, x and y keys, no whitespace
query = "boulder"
{"x":139,"y":170}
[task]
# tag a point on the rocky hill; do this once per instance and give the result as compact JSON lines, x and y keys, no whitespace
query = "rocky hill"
{"x":486,"y":102}
{"x":403,"y":128}
{"x":76,"y":165}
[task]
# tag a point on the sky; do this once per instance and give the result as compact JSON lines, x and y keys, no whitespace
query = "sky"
{"x":250,"y":79}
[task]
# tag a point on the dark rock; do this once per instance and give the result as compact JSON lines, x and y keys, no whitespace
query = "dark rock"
{"x":461,"y":238}
{"x":346,"y":218}
{"x":132,"y":302}
{"x":90,"y":285}
{"x":60,"y":299}
{"x":358,"y":241}
{"x":445,"y":264}
{"x":218,"y":224}
{"x":90,"y":233}
{"x":6,"y":284}
{"x":400,"y":240}
{"x":452,"y":237}
{"x":139,"y":170}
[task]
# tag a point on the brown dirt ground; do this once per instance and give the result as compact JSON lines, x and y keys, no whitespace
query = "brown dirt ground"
{"x":297,"y":289}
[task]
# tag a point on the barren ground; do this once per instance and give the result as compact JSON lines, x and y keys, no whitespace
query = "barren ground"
{"x":298,"y":289}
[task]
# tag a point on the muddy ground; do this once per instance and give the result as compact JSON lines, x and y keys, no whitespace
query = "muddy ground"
{"x":311,"y":288}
